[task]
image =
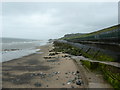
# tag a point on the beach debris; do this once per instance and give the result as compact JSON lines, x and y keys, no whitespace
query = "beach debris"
{"x":66,"y":73}
{"x":77,"y":72}
{"x":64,"y":56}
{"x":73,"y":73}
{"x":50,"y":50}
{"x":48,"y":57}
{"x":53,"y":53}
{"x":38,"y":84}
{"x":78,"y":82}
{"x":75,"y":78}
{"x":66,"y":76}
{"x":69,"y":82}
{"x":56,"y":72}
{"x":72,"y":86}
{"x":63,"y":84}
{"x":89,"y":78}
{"x":46,"y":85}
{"x":41,"y":74}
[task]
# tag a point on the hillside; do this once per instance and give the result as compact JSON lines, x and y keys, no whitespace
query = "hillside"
{"x":106,"y":33}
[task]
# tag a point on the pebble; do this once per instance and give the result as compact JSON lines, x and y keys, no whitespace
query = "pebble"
{"x":78,"y":82}
{"x":89,"y":78}
{"x":77,"y":71}
{"x":72,"y":86}
{"x":37,"y":84}
{"x":66,"y":73}
{"x":75,"y":78}
{"x":58,"y":72}
{"x":66,"y":77}
{"x":63,"y":84}
{"x":68,"y":83}
{"x":72,"y":72}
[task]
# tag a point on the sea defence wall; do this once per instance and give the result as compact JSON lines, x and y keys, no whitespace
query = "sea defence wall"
{"x":94,"y":52}
{"x":102,"y":45}
{"x":110,"y":73}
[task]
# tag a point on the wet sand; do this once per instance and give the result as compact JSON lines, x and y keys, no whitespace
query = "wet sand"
{"x":49,"y":70}
{"x":42,"y":70}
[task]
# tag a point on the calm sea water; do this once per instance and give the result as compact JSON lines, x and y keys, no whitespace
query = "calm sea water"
{"x":13,"y":48}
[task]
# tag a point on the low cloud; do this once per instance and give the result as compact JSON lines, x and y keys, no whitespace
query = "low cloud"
{"x":53,"y":20}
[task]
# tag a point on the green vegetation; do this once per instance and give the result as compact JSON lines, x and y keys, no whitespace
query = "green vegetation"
{"x":110,"y":73}
{"x":90,"y":34}
{"x":65,"y":48}
{"x":89,"y":53}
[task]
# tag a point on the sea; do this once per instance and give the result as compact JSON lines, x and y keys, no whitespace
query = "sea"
{"x":13,"y":48}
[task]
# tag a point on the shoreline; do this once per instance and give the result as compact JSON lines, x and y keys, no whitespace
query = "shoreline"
{"x":25,"y":55}
{"x":46,"y":70}
{"x":34,"y":71}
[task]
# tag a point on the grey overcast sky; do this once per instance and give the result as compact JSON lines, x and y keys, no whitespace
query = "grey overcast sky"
{"x":45,"y":20}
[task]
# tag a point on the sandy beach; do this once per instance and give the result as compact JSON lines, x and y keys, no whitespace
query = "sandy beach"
{"x":41,"y":70}
{"x":46,"y":69}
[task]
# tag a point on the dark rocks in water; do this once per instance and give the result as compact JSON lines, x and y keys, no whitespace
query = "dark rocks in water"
{"x":38,"y":84}
{"x":78,"y":82}
{"x":11,"y":49}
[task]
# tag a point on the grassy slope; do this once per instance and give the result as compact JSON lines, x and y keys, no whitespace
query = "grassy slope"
{"x":93,"y":33}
